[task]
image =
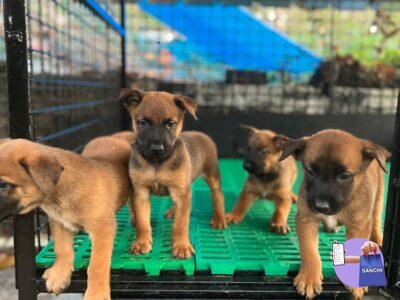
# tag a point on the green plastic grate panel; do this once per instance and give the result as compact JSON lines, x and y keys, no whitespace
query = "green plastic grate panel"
{"x":248,"y":246}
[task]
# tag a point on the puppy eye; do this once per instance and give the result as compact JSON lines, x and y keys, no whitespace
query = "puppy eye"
{"x":170,"y":124}
{"x":4,"y":186}
{"x":263,"y":151}
{"x":310,"y":172}
{"x":142,"y":123}
{"x":344,"y":176}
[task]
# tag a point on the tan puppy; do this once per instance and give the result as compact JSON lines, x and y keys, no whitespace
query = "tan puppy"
{"x":343,"y":185}
{"x":269,"y":178}
{"x":77,"y":192}
{"x":164,"y":161}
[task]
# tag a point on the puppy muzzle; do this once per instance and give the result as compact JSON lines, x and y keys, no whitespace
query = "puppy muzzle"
{"x":324,"y":206}
{"x":8,"y":207}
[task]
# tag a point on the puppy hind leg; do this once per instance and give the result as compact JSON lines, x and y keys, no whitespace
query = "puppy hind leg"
{"x":246,"y":200}
{"x":213,"y":180}
{"x":170,"y":213}
{"x":294,"y":197}
{"x":132,"y":211}
{"x":58,"y":277}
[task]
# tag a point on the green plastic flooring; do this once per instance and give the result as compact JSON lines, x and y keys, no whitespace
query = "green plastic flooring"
{"x":248,"y":246}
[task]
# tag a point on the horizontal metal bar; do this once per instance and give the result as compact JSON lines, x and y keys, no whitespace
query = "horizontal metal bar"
{"x":105,"y":16}
{"x":79,"y":148}
{"x":127,"y":285}
{"x":67,"y":107}
{"x":71,"y":130}
{"x":62,"y":58}
{"x":68,"y":82}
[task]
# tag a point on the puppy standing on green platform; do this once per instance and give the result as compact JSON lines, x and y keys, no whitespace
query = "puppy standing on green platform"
{"x":268,"y":178}
{"x":343,"y":184}
{"x":165,"y":161}
{"x":76,"y":192}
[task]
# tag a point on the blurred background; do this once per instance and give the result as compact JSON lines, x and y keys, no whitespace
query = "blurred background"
{"x":295,"y":66}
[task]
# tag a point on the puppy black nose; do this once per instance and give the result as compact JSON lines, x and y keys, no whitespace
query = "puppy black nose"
{"x":322,"y":205}
{"x":157,"y":148}
{"x":248,"y":166}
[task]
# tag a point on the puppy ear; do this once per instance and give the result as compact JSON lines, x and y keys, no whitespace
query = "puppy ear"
{"x":249,"y":128}
{"x":293,"y":147}
{"x":373,"y":151}
{"x":187,"y":104}
{"x":129,"y":97}
{"x":44,"y":169}
{"x":279,"y":140}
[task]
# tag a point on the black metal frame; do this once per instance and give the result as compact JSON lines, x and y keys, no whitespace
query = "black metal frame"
{"x":18,"y":52}
{"x":391,"y":244}
{"x":18,"y":93}
{"x":168,"y":285}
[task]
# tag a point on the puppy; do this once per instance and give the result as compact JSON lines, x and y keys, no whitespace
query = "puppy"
{"x":268,"y":178}
{"x":164,"y":161}
{"x":76,"y":192}
{"x":343,"y":185}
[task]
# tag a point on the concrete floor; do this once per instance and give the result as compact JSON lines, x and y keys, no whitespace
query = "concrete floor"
{"x":8,"y":291}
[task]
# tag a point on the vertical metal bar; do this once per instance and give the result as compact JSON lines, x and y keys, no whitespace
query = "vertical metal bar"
{"x":124,"y":115}
{"x":332,"y":55}
{"x":391,"y":245}
{"x":18,"y":94}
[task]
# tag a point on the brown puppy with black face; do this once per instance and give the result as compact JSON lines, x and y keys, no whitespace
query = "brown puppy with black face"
{"x":76,"y":192}
{"x":164,"y":161}
{"x":269,"y":178}
{"x":343,"y":185}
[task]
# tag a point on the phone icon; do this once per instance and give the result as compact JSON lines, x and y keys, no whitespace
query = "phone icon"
{"x":338,"y":254}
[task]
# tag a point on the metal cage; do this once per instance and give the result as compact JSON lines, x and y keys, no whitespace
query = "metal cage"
{"x":66,"y":61}
{"x":65,"y":66}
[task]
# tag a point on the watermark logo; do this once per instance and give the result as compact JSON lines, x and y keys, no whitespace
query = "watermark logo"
{"x":358,"y":263}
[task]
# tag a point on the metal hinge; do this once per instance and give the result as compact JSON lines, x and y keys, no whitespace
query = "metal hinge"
{"x":15,"y":36}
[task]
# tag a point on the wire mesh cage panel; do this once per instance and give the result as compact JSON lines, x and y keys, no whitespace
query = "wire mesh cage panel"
{"x":391,"y":245}
{"x":65,"y":69}
{"x":311,"y":57}
{"x":74,"y":65}
{"x":75,"y":71}
{"x":4,"y":131}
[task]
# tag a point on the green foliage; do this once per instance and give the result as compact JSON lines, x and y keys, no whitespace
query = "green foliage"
{"x":391,"y":57}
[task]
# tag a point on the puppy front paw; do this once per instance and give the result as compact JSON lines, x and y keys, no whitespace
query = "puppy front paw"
{"x":308,"y":284}
{"x":141,"y":247}
{"x":279,"y":227}
{"x":58,"y":278}
{"x":92,"y":294}
{"x":358,"y":293}
{"x":233,"y":219}
{"x":218,"y":222}
{"x":182,"y":249}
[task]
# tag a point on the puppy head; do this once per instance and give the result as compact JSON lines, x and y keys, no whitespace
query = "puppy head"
{"x":157,"y":118}
{"x":27,"y":176}
{"x":334,"y":164}
{"x":263,"y":151}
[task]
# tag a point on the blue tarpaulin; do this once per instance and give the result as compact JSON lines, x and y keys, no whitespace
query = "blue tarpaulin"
{"x":231,"y":35}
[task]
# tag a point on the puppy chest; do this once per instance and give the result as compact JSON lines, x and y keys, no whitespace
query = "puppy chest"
{"x":65,"y":219}
{"x":331,"y":222}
